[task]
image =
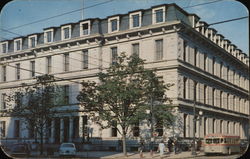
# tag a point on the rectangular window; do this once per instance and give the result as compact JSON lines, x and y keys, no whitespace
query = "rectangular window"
{"x":85,"y":29}
{"x":32,"y":42}
{"x":135,"y":49}
{"x":221,"y":99}
{"x":18,"y":71}
{"x":136,"y":20}
{"x":195,"y":56}
{"x":114,"y":25}
{"x":213,"y":97}
{"x":32,"y":68}
{"x":159,"y":49}
{"x":114,"y":129}
{"x":213,"y":66}
{"x":17,"y":129}
{"x":3,"y":128}
{"x":228,"y":71}
{"x":114,"y":55}
{"x":184,"y":88}
{"x":4,"y":73}
{"x":4,"y":48}
{"x":136,"y":130}
{"x":205,"y":62}
{"x":221,"y":70}
{"x":66,"y":33}
{"x":3,"y":104}
{"x":85,"y":59}
{"x":159,"y":127}
{"x":205,"y":95}
{"x":66,"y":94}
{"x":184,"y":50}
{"x":49,"y":64}
{"x":18,"y":99}
{"x":66,"y":62}
{"x":49,"y":36}
{"x":159,"y":15}
{"x":17,"y":45}
{"x":185,"y":125}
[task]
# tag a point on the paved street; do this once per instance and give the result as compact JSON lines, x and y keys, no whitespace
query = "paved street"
{"x":146,"y":155}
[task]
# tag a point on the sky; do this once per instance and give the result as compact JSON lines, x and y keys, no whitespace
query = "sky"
{"x":24,"y":17}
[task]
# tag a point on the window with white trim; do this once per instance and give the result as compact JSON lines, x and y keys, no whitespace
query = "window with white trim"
{"x":135,"y":49}
{"x":158,"y":15}
{"x":66,"y":62}
{"x":49,"y":65}
{"x":66,"y":32}
{"x":48,"y":35}
{"x":4,"y":47}
{"x":159,"y":49}
{"x":85,"y":28}
{"x":135,"y":20}
{"x":32,"y":41}
{"x":17,"y":44}
{"x":3,"y":102}
{"x":113,"y":24}
{"x":85,"y":59}
{"x":32,"y":68}
{"x":114,"y":55}
{"x":18,"y":71}
{"x":4,"y":77}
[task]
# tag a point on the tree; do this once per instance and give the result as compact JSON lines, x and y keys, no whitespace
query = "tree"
{"x":123,"y":94}
{"x":35,"y":105}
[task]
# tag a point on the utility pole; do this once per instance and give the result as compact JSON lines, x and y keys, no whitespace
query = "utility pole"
{"x":82,"y":13}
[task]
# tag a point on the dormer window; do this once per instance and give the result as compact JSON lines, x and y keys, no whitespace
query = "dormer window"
{"x":85,"y":28}
{"x":48,"y":36}
{"x":17,"y":44}
{"x":135,"y":20}
{"x":113,"y":24}
{"x":158,"y":15}
{"x":66,"y":32}
{"x":4,"y":47}
{"x":32,"y":41}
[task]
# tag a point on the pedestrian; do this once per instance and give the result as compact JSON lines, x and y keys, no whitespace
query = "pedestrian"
{"x":151,"y":148}
{"x":141,"y":148}
{"x":161,"y":148}
{"x":176,"y":146}
{"x":170,"y":144}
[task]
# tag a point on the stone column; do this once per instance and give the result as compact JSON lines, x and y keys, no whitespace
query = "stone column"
{"x":70,"y":129}
{"x":61,"y":130}
{"x":52,"y":138}
{"x":80,"y":128}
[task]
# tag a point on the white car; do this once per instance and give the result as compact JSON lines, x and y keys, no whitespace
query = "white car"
{"x":67,"y":149}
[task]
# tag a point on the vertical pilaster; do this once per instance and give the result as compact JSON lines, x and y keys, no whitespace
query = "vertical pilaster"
{"x":52,"y":138}
{"x":70,"y":129}
{"x":61,"y":130}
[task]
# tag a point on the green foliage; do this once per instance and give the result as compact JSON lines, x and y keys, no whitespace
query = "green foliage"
{"x":124,"y":92}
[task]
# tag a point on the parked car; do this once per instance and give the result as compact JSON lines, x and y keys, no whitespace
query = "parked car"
{"x":67,"y":149}
{"x":20,"y":149}
{"x":243,"y":146}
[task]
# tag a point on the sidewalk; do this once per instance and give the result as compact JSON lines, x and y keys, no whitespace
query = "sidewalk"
{"x":131,"y":155}
{"x":146,"y":155}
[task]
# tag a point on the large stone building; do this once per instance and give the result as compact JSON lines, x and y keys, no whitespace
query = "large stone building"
{"x":202,"y":64}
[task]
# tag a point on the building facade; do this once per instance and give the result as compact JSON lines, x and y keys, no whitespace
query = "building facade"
{"x":208,"y":71}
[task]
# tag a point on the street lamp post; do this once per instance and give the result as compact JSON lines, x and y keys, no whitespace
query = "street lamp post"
{"x":194,"y":125}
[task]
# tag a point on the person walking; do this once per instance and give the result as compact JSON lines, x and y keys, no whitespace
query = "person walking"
{"x":141,"y":148}
{"x":170,"y":144}
{"x":161,"y":148}
{"x":151,"y":148}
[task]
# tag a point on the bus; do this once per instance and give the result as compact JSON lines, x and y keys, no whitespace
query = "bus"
{"x":221,"y":143}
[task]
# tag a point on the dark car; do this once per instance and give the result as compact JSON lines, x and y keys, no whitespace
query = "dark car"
{"x":20,"y":149}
